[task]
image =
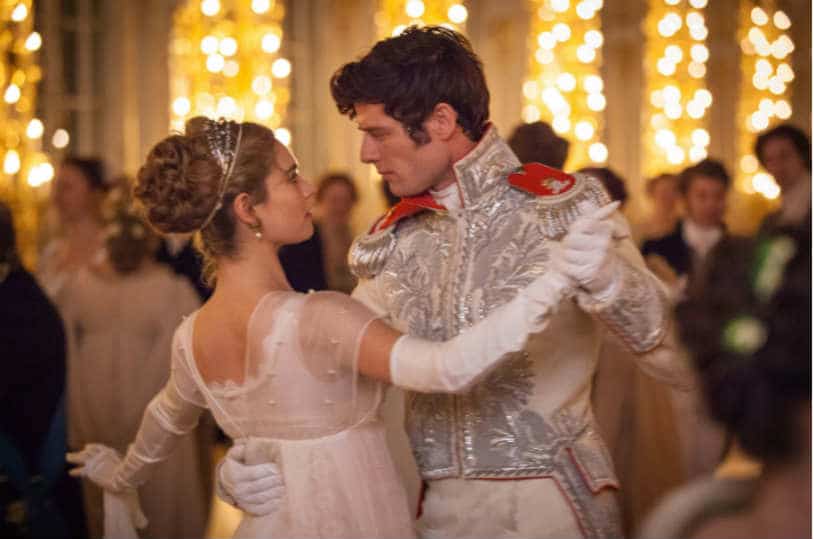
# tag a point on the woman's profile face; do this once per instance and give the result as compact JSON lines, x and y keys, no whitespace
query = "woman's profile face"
{"x":286,"y":212}
{"x":73,"y":195}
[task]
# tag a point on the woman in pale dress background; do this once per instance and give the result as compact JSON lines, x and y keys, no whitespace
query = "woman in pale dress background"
{"x":279,"y":369}
{"x":79,"y":189}
{"x":120,"y":311}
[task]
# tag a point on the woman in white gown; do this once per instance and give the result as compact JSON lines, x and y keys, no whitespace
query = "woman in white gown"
{"x":79,"y":189}
{"x":279,"y":369}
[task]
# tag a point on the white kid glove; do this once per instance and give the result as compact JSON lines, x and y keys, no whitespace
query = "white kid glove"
{"x":585,"y":255}
{"x":256,"y":489}
{"x":100,"y":464}
{"x":97,"y":463}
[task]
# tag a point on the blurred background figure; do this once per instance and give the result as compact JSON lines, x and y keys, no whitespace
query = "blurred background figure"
{"x":121,"y":312}
{"x":676,"y":258}
{"x":785,"y":152}
{"x":634,"y":413}
{"x":80,"y":186}
{"x":747,"y":325}
{"x":177,"y":252}
{"x":321,"y":262}
{"x":613,"y":183}
{"x":37,"y":496}
{"x":673,"y":257}
{"x":662,"y":191}
{"x":537,"y":142}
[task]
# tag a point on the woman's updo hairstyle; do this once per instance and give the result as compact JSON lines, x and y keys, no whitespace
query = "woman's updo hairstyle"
{"x":180,"y":183}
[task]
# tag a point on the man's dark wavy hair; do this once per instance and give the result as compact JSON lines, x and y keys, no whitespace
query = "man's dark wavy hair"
{"x":411,"y":73}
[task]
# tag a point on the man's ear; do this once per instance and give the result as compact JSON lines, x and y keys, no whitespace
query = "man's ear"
{"x":244,"y":210}
{"x":442,"y":122}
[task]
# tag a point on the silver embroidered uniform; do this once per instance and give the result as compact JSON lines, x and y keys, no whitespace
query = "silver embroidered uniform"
{"x":438,"y":272}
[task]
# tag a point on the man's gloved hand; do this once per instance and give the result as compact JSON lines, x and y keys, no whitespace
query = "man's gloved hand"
{"x":585,"y":255}
{"x":256,"y":489}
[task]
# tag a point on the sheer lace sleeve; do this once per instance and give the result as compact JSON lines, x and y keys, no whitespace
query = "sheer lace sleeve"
{"x":172,"y":413}
{"x":332,"y":328}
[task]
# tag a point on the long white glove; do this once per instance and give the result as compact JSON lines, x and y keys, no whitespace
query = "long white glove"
{"x":582,"y":258}
{"x":455,"y":365}
{"x":101,"y":464}
{"x":585,"y":253}
{"x":256,"y":489}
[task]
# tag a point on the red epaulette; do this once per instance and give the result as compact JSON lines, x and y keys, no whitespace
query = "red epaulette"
{"x":542,"y":181}
{"x":406,"y":207}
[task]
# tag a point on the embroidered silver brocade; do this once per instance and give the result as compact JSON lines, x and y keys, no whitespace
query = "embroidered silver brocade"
{"x":368,"y":253}
{"x":557,"y":213}
{"x":638,"y":314}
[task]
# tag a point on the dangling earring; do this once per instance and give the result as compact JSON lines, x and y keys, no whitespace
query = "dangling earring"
{"x":257,"y":228}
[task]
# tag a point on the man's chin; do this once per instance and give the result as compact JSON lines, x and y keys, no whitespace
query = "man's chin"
{"x":401,"y":191}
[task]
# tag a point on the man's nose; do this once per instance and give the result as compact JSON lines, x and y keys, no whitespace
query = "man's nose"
{"x":368,"y":153}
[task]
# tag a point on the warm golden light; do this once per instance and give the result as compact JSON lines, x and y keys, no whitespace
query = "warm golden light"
{"x":33,"y":42}
{"x":677,"y":107}
{"x":563,"y":84}
{"x":237,"y":70}
{"x":261,"y":6}
{"x":19,"y":13}
{"x":40,"y":174}
{"x":764,"y":91}
{"x":24,"y":166}
{"x":210,"y":8}
{"x":11,"y":163}
{"x":35,"y":129}
{"x":281,"y":68}
{"x":283,"y":135}
{"x":598,"y":153}
{"x":457,"y":13}
{"x":271,"y":43}
{"x":394,"y":16}
{"x":414,"y":8}
{"x":61,"y":139}
{"x":12,"y":94}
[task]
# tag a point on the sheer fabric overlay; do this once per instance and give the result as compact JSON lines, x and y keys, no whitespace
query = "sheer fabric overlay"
{"x":301,"y":404}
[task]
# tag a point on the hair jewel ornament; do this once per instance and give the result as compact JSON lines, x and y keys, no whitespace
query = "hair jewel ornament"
{"x":744,"y":335}
{"x":773,"y":254}
{"x":224,"y":148}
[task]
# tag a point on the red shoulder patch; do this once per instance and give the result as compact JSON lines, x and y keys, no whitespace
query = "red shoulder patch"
{"x":407,"y":207}
{"x":541,"y":180}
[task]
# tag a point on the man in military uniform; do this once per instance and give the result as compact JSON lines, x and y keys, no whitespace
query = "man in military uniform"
{"x":517,"y":455}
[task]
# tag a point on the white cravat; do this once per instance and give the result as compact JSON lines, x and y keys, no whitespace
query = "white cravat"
{"x":449,"y":196}
{"x":700,"y":238}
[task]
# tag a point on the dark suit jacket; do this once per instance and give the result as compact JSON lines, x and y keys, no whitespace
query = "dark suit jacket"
{"x":304,"y":265}
{"x":673,"y":249}
{"x":186,"y":262}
